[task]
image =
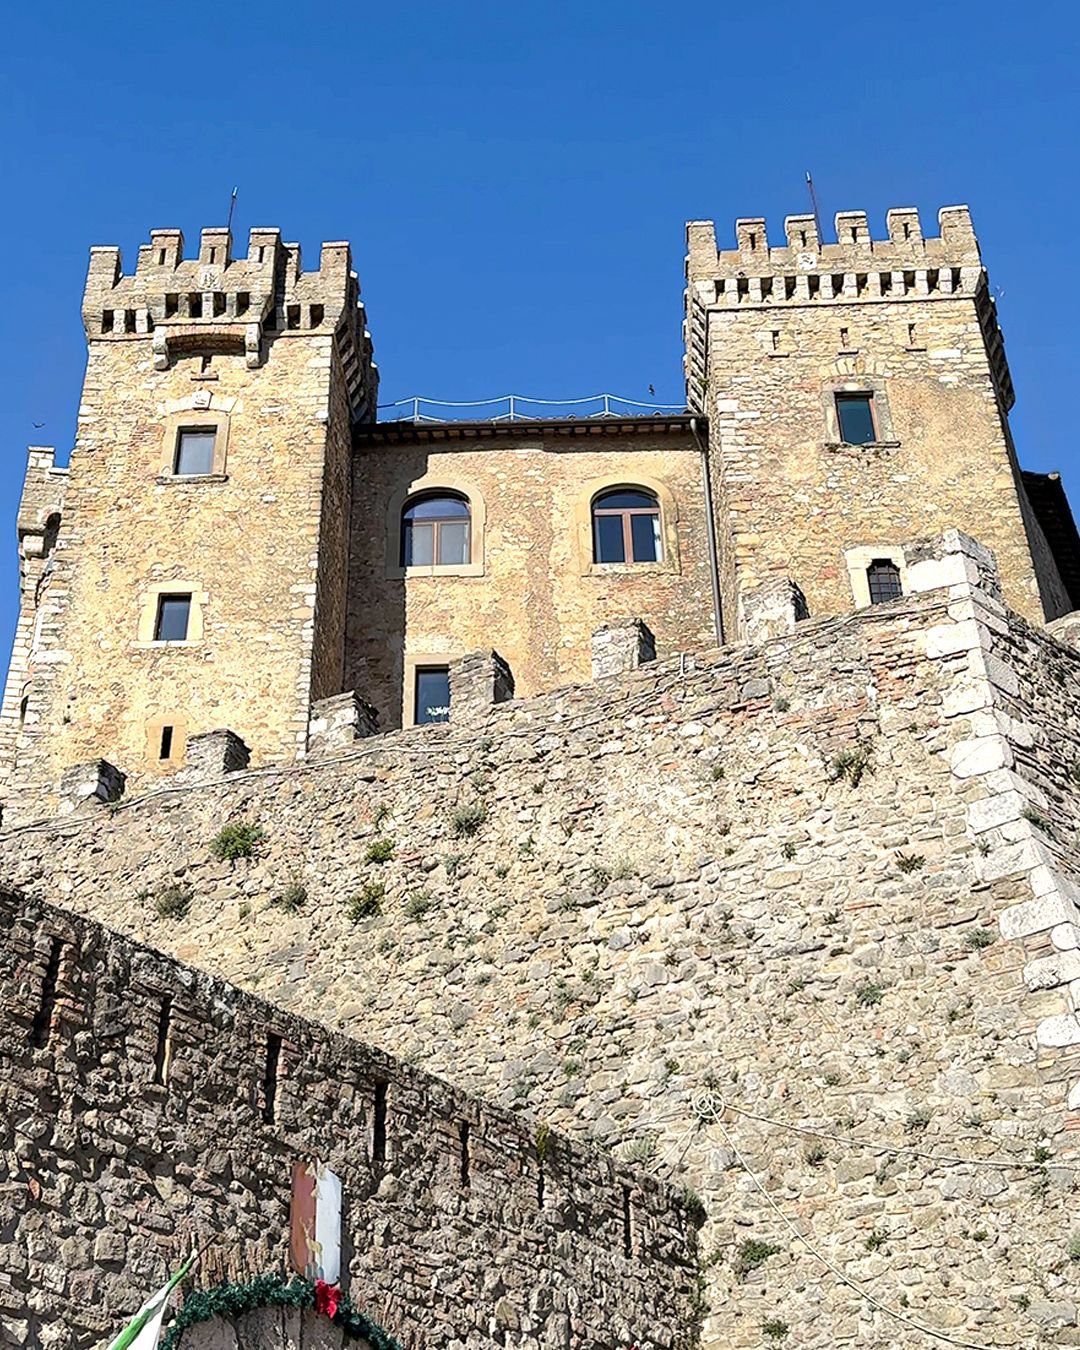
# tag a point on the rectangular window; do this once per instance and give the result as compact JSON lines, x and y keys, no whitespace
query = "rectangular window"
{"x":855,"y":415}
{"x":432,"y":695}
{"x":453,"y":542}
{"x":419,"y":545}
{"x":645,"y":534}
{"x":173,"y":613}
{"x":610,"y":545}
{"x":194,"y":451}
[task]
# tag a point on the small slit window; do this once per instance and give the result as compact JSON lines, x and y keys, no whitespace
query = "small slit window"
{"x":855,"y":417}
{"x":883,"y":579}
{"x":435,"y":531}
{"x":432,"y":695}
{"x":173,"y":614}
{"x":194,"y":451}
{"x":626,"y":527}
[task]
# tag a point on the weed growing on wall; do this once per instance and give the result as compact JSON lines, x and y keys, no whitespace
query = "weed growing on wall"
{"x":236,"y":840}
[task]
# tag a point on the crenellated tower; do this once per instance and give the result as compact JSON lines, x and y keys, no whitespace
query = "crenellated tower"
{"x":857,"y":394}
{"x":191,"y":573}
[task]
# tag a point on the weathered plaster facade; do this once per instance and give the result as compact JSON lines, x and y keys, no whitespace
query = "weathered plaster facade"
{"x":532,"y":590}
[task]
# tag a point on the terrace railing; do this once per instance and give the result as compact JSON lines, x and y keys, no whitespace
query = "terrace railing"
{"x":518,"y":408}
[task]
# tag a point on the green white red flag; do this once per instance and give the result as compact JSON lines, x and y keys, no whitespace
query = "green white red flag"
{"x":144,"y":1329}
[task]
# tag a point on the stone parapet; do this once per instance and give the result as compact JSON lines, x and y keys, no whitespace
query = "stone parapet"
{"x":338,"y":722}
{"x":211,"y":754}
{"x":84,"y":786}
{"x":1066,"y":629}
{"x":772,"y":610}
{"x":476,"y":682}
{"x":620,"y":647}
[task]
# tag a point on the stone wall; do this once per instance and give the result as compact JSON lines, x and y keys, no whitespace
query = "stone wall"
{"x":37,"y":529}
{"x":773,"y":331}
{"x":150,"y":1111}
{"x":532,"y":590}
{"x":265,"y":354}
{"x":812,"y":901}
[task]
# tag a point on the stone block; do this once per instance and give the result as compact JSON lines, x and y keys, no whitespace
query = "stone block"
{"x":1036,"y":916}
{"x":212,"y":754}
{"x":1058,"y":1031}
{"x":1050,"y":971}
{"x":92,"y":784}
{"x":951,"y":559}
{"x":621,"y":646}
{"x":1066,"y":629}
{"x":772,"y":610}
{"x":476,"y":682}
{"x":338,"y":722}
{"x":980,"y":755}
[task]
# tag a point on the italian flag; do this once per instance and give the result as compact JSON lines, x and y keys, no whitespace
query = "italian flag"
{"x":142,"y":1332}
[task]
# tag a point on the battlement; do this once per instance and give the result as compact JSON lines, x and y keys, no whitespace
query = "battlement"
{"x":856,"y":267}
{"x":217,"y":302}
{"x":42,"y":499}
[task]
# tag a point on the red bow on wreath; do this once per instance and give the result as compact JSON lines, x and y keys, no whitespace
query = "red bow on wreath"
{"x":326,"y":1298}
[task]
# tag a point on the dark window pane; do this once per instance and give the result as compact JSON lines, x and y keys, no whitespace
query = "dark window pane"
{"x":645,"y":536}
{"x":437,"y":508}
{"x":608,"y":539}
{"x":625,"y":497}
{"x":418,"y":545}
{"x":884,"y":579}
{"x":856,"y":418}
{"x":432,"y":695}
{"x":454,"y":542}
{"x":172,"y":618}
{"x":195,"y":451}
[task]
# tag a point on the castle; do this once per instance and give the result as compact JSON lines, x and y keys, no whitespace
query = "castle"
{"x":702,"y":785}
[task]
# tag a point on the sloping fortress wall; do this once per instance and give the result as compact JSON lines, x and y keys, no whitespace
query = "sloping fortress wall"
{"x":795,"y":923}
{"x":152,"y":1108}
{"x":775,"y":333}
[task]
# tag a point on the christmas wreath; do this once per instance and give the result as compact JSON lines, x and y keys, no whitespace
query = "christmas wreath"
{"x":275,"y":1291}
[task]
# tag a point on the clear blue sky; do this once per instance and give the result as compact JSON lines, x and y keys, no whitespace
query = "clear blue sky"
{"x":514,"y":178}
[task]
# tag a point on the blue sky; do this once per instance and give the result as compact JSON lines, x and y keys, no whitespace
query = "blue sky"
{"x":514,"y":178}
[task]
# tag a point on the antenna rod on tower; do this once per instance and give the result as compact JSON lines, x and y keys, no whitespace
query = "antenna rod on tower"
{"x":232,"y":203}
{"x":814,"y":205}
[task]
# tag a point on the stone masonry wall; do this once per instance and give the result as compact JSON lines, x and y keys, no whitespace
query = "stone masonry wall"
{"x":774,"y":331}
{"x":137,"y":1133}
{"x":533,"y":592}
{"x":795,"y":917}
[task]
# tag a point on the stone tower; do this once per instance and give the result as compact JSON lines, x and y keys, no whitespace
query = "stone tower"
{"x":857,"y":395}
{"x":188,"y":572}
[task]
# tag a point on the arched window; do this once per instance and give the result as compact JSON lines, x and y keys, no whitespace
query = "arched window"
{"x":883,"y":579}
{"x":435,"y":531}
{"x":626,"y":527}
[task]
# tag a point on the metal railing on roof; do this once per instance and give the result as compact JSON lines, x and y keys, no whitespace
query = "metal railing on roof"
{"x":518,"y":408}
